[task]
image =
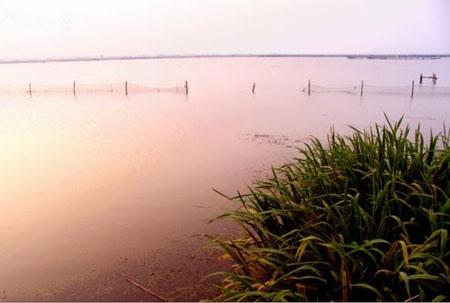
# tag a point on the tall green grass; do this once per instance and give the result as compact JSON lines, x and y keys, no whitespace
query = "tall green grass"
{"x":363,"y":217}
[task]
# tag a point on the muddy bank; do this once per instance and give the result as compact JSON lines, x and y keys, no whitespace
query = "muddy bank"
{"x":175,"y":273}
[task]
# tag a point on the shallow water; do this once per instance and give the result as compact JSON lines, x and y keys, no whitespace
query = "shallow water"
{"x":90,"y":179}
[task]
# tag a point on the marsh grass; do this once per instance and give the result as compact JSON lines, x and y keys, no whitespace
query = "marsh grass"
{"x":363,"y":217}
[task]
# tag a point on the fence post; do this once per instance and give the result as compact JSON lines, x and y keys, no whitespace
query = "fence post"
{"x":412,"y":89}
{"x":420,"y":79}
{"x":362,"y":87}
{"x":126,"y":88}
{"x":186,"y":87}
{"x":309,"y":87}
{"x":434,"y":79}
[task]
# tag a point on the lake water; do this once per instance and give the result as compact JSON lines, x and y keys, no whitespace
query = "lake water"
{"x":97,"y":183}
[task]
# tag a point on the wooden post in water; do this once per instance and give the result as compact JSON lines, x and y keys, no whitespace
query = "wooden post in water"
{"x":434,"y":79}
{"x":420,"y":79}
{"x":362,"y":87}
{"x":29,"y":88}
{"x":74,"y":91}
{"x":412,"y":89}
{"x":126,"y":88}
{"x":253,"y":88}
{"x":186,"y":87}
{"x":309,"y":87}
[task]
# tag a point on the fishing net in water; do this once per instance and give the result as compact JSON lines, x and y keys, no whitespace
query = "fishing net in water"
{"x":330,"y":89}
{"x":80,"y":88}
{"x":432,"y":90}
{"x":372,"y":89}
{"x":144,"y":89}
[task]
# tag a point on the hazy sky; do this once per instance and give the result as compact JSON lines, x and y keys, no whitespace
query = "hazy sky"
{"x":47,"y":28}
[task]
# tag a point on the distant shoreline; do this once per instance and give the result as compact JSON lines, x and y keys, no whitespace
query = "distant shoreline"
{"x":149,"y":57}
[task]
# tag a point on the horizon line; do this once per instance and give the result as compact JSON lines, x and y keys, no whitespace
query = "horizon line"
{"x":237,"y":55}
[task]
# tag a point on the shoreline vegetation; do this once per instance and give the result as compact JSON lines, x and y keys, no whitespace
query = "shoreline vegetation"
{"x":364,"y":217}
{"x":193,"y":56}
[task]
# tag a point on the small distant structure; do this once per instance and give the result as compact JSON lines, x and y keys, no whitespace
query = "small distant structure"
{"x":433,"y":78}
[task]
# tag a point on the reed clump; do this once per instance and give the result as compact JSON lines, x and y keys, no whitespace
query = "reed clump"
{"x":363,"y":217}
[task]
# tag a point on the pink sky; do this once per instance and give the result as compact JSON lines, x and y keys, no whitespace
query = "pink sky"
{"x":104,"y":27}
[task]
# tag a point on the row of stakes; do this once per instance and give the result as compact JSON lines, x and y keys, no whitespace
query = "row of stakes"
{"x":421,"y":77}
{"x":74,"y":90}
{"x":361,"y":88}
{"x":186,"y":86}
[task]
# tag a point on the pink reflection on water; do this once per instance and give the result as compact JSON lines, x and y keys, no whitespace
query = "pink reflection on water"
{"x":89,"y":178}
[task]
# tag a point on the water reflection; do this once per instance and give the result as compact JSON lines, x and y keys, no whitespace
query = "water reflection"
{"x":88,"y":178}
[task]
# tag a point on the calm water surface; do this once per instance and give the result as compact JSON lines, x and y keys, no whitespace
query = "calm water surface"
{"x":89,"y":179}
